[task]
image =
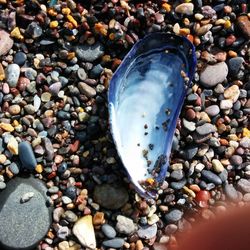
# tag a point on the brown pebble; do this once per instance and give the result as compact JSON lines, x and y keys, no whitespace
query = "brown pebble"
{"x":98,"y":218}
{"x":14,"y":109}
{"x":190,"y":114}
{"x":139,"y":245}
{"x":244,"y":25}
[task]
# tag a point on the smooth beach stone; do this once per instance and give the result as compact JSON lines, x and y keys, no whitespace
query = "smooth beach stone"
{"x":109,"y":231}
{"x":23,"y":225}
{"x":90,"y":53}
{"x":27,"y":156}
{"x":20,"y":58}
{"x":6,"y":42}
{"x":12,"y":74}
{"x":114,"y":243}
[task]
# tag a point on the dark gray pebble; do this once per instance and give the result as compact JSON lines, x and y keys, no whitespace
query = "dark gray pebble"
{"x":71,"y":192}
{"x":30,"y":219}
{"x":27,"y":156}
{"x":211,"y":177}
{"x":177,"y":174}
{"x":205,"y":129}
{"x":234,"y":65}
{"x":20,"y":58}
{"x":173,"y":216}
{"x":177,"y":185}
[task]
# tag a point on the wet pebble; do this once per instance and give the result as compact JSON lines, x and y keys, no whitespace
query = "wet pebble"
{"x":12,"y":74}
{"x":20,"y":58}
{"x":27,"y":156}
{"x":211,"y":177}
{"x":114,"y":243}
{"x":86,"y":89}
{"x":212,"y":110}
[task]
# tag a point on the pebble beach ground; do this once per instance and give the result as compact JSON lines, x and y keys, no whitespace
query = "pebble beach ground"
{"x":56,"y":60}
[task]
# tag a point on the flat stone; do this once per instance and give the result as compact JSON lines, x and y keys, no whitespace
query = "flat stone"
{"x":110,"y":196}
{"x":125,"y":225}
{"x":147,"y":232}
{"x":231,"y":192}
{"x":30,"y":219}
{"x":84,"y":231}
{"x":212,"y":110}
{"x":173,"y":216}
{"x":26,"y":156}
{"x":244,"y":185}
{"x":214,"y":74}
{"x":211,"y":177}
{"x":226,"y":104}
{"x":86,"y":89}
{"x":190,"y":126}
{"x":12,"y":74}
{"x":114,"y":243}
{"x":232,"y":93}
{"x":89,"y":53}
{"x":205,"y":129}
{"x":6,"y":42}
{"x":108,"y":231}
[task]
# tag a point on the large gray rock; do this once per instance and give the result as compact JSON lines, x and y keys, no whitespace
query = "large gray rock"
{"x":24,"y":217}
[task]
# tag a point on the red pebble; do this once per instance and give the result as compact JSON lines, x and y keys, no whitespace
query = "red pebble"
{"x":202,"y":198}
{"x":51,"y":175}
{"x":74,"y":147}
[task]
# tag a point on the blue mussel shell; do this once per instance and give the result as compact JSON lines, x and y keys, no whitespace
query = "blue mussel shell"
{"x":146,"y":94}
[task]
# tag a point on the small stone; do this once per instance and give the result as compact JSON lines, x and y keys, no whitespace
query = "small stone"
{"x":48,"y":149}
{"x":71,"y":192}
{"x":86,"y":89}
{"x":114,"y":243}
{"x":70,"y":216}
{"x":211,"y":177}
{"x":153,"y":219}
{"x":244,"y":25}
{"x":13,"y":146}
{"x":232,"y":93}
{"x":34,"y":30}
{"x":231,"y":192}
{"x":214,"y":74}
{"x":6,"y":42}
{"x":55,"y":88}
{"x":14,"y":168}
{"x":14,"y":109}
{"x":147,"y":232}
{"x":20,"y":58}
{"x":6,"y":127}
{"x":45,"y":97}
{"x":2,"y":185}
{"x":170,"y":229}
{"x":12,"y":74}
{"x":81,"y":74}
{"x":236,"y":160}
{"x":205,"y":129}
{"x":217,"y":166}
{"x":98,"y":218}
{"x":110,"y":196}
{"x":185,"y":8}
{"x":244,"y":185}
{"x":245,"y":142}
{"x":30,"y":109}
{"x":235,"y":65}
{"x":23,"y":218}
{"x":190,"y":126}
{"x":89,"y":53}
{"x":125,"y":225}
{"x":173,"y":216}
{"x":26,"y":156}
{"x":226,"y":104}
{"x":63,"y":232}
{"x":212,"y":110}
{"x":190,"y":114}
{"x":177,"y":174}
{"x":84,"y":231}
{"x":108,"y":231}
{"x":57,"y":214}
{"x":26,"y":197}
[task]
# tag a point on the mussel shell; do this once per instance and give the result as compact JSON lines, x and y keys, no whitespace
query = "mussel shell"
{"x":145,"y":97}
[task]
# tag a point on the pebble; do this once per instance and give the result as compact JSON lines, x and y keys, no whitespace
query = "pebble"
{"x":12,"y":74}
{"x":244,"y":185}
{"x":212,"y":110}
{"x":2,"y":185}
{"x":244,"y":25}
{"x":217,"y":166}
{"x":226,"y":104}
{"x":214,"y":74}
{"x":211,"y":177}
{"x":13,"y":146}
{"x":114,"y":243}
{"x":26,"y":156}
{"x":84,"y":231}
{"x":6,"y":42}
{"x":14,"y":109}
{"x":110,"y":196}
{"x":232,"y":93}
{"x":57,"y":214}
{"x":147,"y":232}
{"x":125,"y":225}
{"x":185,"y":8}
{"x":108,"y":231}
{"x":81,"y":74}
{"x":205,"y":129}
{"x":86,"y":89}
{"x":89,"y":53}
{"x":70,"y":216}
{"x":24,"y":216}
{"x":190,"y":126}
{"x":14,"y":168}
{"x":236,"y":160}
{"x":173,"y":216}
{"x":20,"y":58}
{"x":231,"y":192}
{"x":235,"y":65}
